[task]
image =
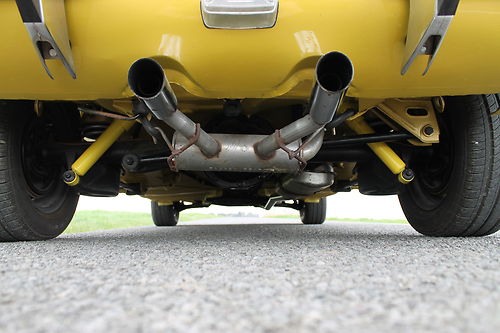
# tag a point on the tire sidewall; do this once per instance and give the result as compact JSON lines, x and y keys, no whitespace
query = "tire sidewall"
{"x":40,"y":225}
{"x":452,"y":216}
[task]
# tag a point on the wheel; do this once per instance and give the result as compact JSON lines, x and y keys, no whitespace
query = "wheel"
{"x":456,"y":186}
{"x":35,"y":203}
{"x":164,"y":216}
{"x":313,"y":213}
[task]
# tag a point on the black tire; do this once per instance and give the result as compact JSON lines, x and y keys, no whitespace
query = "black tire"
{"x":457,"y":183}
{"x":164,"y":216}
{"x":35,"y":204}
{"x":313,"y":213}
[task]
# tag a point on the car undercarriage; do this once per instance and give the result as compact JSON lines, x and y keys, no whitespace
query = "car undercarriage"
{"x":187,"y":144}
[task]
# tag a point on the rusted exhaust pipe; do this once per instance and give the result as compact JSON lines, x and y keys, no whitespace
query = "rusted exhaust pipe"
{"x":334,"y":73}
{"x":148,"y":82}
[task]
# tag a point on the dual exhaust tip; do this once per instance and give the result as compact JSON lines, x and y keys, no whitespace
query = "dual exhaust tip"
{"x":146,"y":77}
{"x":333,"y":75}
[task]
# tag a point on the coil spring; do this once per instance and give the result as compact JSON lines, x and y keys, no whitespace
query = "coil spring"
{"x":92,"y":131}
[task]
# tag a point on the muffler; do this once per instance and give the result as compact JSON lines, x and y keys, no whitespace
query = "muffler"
{"x":236,"y":155}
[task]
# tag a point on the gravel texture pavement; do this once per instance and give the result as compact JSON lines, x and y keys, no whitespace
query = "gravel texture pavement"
{"x":337,"y":277}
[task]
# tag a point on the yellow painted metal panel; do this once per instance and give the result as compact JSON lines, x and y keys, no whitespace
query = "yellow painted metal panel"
{"x":107,"y":36}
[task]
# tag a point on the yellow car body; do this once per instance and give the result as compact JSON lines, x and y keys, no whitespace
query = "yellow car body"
{"x":107,"y":36}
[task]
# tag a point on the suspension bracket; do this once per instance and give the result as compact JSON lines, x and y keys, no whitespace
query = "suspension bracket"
{"x":417,"y":116}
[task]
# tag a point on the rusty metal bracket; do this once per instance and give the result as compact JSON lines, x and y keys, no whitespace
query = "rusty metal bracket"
{"x":176,"y":152}
{"x":292,"y":153}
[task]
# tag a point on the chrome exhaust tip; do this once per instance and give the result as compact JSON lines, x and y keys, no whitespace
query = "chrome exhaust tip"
{"x":334,"y":71}
{"x":148,"y":82}
{"x":334,"y":74}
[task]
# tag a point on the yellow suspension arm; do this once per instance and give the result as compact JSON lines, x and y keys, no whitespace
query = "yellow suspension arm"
{"x":93,"y":153}
{"x":383,"y":151}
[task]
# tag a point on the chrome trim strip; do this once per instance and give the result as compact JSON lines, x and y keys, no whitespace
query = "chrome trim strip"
{"x":50,"y":42}
{"x":443,"y":12}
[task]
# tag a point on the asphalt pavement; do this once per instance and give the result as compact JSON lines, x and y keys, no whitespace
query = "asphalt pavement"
{"x":252,"y":277}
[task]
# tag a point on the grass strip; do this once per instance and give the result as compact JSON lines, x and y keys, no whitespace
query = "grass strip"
{"x":92,"y":220}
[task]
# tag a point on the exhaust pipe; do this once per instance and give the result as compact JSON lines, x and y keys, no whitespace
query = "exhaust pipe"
{"x":245,"y":153}
{"x":148,"y":82}
{"x":334,"y":73}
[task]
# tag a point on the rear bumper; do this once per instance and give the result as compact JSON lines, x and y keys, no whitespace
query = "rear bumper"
{"x":108,"y":36}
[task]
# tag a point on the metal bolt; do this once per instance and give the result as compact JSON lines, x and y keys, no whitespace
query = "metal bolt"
{"x":129,"y":160}
{"x":428,"y":130}
{"x":52,"y":52}
{"x":69,"y":176}
{"x":438,"y":103}
{"x":408,"y":174}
